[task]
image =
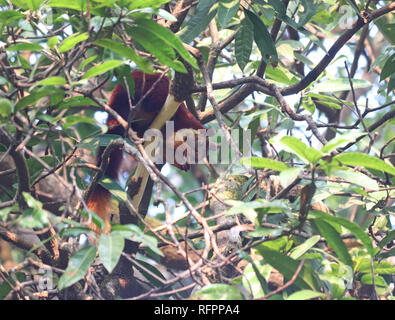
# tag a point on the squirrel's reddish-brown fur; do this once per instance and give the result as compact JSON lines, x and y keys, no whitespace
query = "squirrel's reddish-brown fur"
{"x":100,"y":199}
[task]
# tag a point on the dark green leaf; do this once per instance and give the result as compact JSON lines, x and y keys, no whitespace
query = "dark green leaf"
{"x":5,"y":287}
{"x":158,"y":47}
{"x":76,"y":101}
{"x":75,"y":232}
{"x":134,"y":233}
{"x":169,"y":38}
{"x":387,"y":239}
{"x":205,"y":12}
{"x":352,"y":227}
{"x":364,"y":160}
{"x":262,"y":38}
{"x":73,"y":120}
{"x":334,"y":240}
{"x":218,"y":291}
{"x":388,"y":68}
{"x":227,"y":10}
{"x":243,"y":43}
{"x":110,"y":249}
{"x":126,"y":52}
{"x":288,"y":266}
{"x":114,"y":188}
{"x":78,"y":266}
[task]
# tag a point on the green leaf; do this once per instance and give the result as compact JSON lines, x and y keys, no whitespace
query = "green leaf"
{"x":388,"y":68}
{"x":102,"y":68}
{"x":126,"y":52}
{"x":134,"y":233}
{"x":5,"y":287}
{"x":262,"y":38}
{"x":300,"y":250}
{"x":357,"y":178}
{"x":75,"y":232}
{"x":382,"y":267}
{"x":218,"y":291}
{"x":89,"y":214}
{"x":288,"y":266}
{"x":70,"y":42}
{"x":378,"y":280}
{"x":305,"y":153}
{"x":73,"y":120}
{"x":79,"y":5}
{"x":352,"y":227}
{"x":280,"y":74}
{"x":34,"y":4}
{"x":334,"y":240}
{"x":38,"y":93}
{"x":227,"y":10}
{"x":52,"y":81}
{"x":364,"y":160}
{"x":310,"y":8}
{"x":169,"y":38}
{"x":255,"y":278}
{"x":6,"y":211}
{"x":158,"y":47}
{"x":205,"y":12}
{"x":34,"y":216}
{"x":93,"y":143}
{"x":391,"y":85}
{"x":340,"y":85}
{"x":387,"y":29}
{"x":6,"y":107}
{"x":7,"y":16}
{"x":25,"y":47}
{"x":152,"y":269}
{"x":114,"y":188}
{"x":341,"y":141}
{"x":264,"y":163}
{"x":53,"y":41}
{"x":248,"y":208}
{"x":86,"y":62}
{"x":243,"y":43}
{"x":305,"y":295}
{"x":110,"y":249}
{"x":136,"y":4}
{"x":288,"y":176}
{"x":387,"y":239}
{"x":78,"y":266}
